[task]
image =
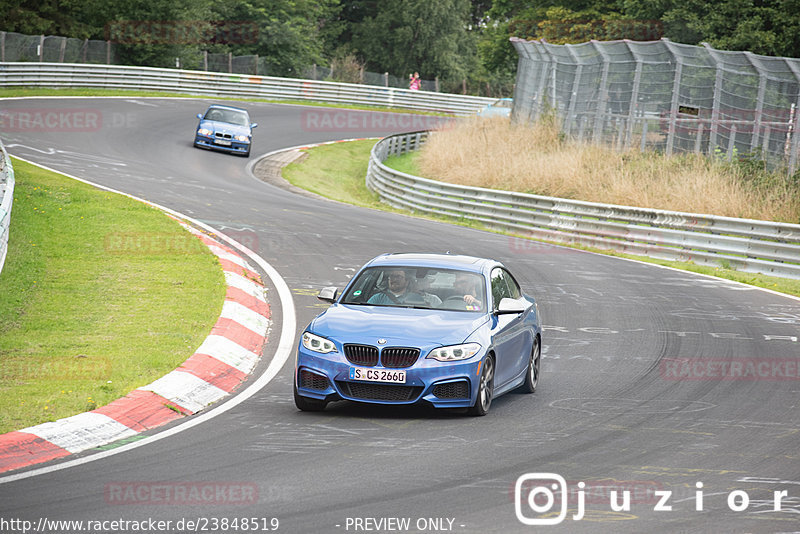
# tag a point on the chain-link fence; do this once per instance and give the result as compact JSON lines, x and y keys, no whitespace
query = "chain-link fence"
{"x":19,"y":47}
{"x":666,"y":96}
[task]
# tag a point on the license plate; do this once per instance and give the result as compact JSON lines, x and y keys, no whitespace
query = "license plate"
{"x":378,"y":375}
{"x":222,"y":142}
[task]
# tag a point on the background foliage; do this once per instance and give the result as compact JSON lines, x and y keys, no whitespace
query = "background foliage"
{"x":462,"y":43}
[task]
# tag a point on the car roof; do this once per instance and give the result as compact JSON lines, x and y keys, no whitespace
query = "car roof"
{"x":453,"y":261}
{"x":220,"y":106}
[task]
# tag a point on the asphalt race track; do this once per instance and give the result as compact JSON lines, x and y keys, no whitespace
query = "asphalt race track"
{"x":625,"y":403}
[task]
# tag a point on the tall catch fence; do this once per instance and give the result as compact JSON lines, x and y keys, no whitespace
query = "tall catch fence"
{"x":665,"y":96}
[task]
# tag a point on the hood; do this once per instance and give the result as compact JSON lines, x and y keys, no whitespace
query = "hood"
{"x":399,"y":326}
{"x":226,"y":127}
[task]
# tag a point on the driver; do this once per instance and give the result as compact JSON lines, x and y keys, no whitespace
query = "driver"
{"x":398,"y":292}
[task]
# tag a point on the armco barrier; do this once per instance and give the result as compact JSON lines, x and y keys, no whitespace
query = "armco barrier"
{"x":6,"y":200}
{"x":217,"y":84}
{"x":741,"y":244}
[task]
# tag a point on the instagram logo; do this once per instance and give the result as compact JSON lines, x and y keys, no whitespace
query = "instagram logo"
{"x":538,"y":492}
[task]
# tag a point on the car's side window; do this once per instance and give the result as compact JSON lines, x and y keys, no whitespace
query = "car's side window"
{"x":499,"y":287}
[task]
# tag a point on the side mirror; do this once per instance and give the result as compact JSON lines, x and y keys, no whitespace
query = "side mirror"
{"x":509,"y":306}
{"x":254,"y":125}
{"x":328,"y":294}
{"x":199,"y":115}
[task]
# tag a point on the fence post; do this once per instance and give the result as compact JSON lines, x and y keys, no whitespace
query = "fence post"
{"x":386,"y":79}
{"x":573,"y":95}
{"x":673,"y":108}
{"x":634,"y":104}
{"x":108,"y":52}
{"x":602,"y":102}
{"x":796,"y":126}
{"x":63,"y":50}
{"x":256,"y":61}
{"x":230,"y":63}
{"x":762,"y":87}
{"x":547,"y":67}
{"x":712,"y":139}
{"x":41,"y":48}
{"x":205,"y":60}
{"x":795,"y":138}
{"x":435,"y":82}
{"x":2,"y":46}
{"x":85,"y":49}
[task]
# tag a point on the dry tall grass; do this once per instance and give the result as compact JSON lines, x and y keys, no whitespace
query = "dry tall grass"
{"x":496,"y":154}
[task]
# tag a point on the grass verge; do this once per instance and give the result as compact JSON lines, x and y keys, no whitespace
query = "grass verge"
{"x":337,"y":171}
{"x":100,"y":294}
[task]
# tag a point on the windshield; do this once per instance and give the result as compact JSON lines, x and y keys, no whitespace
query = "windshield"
{"x":418,"y":287}
{"x":227,"y":115}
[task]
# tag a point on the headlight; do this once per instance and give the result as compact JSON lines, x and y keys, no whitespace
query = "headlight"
{"x":204,"y":131}
{"x":455,"y":352}
{"x":242,"y":138}
{"x":317,"y":343}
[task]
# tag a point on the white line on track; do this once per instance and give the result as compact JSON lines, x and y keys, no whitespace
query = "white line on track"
{"x":282,"y":353}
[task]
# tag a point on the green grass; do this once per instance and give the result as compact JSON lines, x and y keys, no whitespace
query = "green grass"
{"x":406,"y":163}
{"x":11,"y":92}
{"x":337,"y":171}
{"x":100,"y":294}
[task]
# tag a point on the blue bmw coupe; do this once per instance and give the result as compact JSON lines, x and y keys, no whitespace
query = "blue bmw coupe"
{"x":451,"y":331}
{"x":225,"y":128}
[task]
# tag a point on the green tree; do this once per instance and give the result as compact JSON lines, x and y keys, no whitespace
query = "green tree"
{"x":405,"y":36}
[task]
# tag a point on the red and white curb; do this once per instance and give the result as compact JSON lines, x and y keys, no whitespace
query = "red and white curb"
{"x":215,"y":370}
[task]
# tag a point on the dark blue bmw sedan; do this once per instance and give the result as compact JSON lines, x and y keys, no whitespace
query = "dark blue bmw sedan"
{"x":451,"y":331}
{"x":225,"y":128}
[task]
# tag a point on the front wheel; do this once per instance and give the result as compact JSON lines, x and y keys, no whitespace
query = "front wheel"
{"x":534,"y":367}
{"x":485,"y":389}
{"x":307,"y":404}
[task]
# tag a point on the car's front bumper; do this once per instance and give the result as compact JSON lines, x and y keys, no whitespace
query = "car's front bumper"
{"x":444,"y":385}
{"x":238,"y":147}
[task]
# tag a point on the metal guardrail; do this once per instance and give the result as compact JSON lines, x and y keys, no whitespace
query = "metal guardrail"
{"x":741,"y":244}
{"x":6,"y":200}
{"x":227,"y":85}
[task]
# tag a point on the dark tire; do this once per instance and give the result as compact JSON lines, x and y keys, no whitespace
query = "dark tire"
{"x":534,"y":368}
{"x":485,"y":390}
{"x":307,"y":404}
